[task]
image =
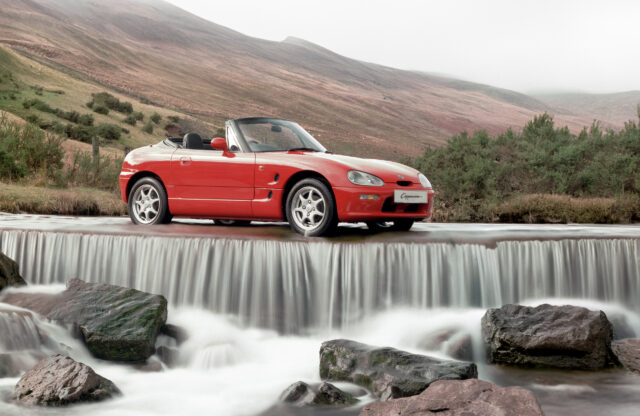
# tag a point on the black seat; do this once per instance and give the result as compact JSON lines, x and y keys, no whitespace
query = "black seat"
{"x":192,"y":141}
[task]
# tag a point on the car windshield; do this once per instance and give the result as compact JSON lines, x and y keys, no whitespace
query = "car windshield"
{"x":272,"y":135}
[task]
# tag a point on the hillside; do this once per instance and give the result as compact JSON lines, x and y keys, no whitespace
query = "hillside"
{"x":154,"y":51}
{"x":616,"y":108}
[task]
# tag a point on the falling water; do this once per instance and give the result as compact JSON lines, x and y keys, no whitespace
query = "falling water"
{"x":293,"y":286}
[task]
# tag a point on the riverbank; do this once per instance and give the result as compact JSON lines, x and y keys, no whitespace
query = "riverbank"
{"x":52,"y":201}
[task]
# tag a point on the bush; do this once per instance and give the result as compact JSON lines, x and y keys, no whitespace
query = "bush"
{"x":101,"y":109}
{"x":27,"y":149}
{"x":32,"y":118}
{"x":138,"y":116}
{"x":130,"y":119}
{"x":111,"y":102}
{"x":108,"y":131}
{"x":148,"y":128}
{"x":155,"y":117}
{"x":174,"y":119}
{"x":474,"y":174}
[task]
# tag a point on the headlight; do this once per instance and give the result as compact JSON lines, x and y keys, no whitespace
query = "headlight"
{"x":361,"y":178}
{"x":424,"y":181}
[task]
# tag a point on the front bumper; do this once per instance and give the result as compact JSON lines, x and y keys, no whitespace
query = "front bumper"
{"x":353,"y":209}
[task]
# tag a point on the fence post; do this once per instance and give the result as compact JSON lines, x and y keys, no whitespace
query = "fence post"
{"x":96,"y":149}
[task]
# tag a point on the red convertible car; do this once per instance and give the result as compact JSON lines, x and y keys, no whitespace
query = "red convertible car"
{"x":270,"y":170}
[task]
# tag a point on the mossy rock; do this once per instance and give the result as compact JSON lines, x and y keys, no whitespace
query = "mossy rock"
{"x":387,"y":372}
{"x":9,"y":273}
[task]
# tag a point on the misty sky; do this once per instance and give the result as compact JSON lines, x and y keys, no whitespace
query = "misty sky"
{"x":529,"y":46}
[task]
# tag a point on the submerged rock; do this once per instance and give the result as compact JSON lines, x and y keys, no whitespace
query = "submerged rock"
{"x":628,"y":353}
{"x":116,"y":323}
{"x":9,"y":273}
{"x":386,"y":372}
{"x":548,"y":336}
{"x":302,"y":394}
{"x":467,"y":397}
{"x":59,"y":380}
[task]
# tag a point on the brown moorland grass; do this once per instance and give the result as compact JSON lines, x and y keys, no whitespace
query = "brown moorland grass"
{"x":545,"y":208}
{"x":73,"y":201}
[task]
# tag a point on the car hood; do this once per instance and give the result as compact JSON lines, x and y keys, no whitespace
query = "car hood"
{"x":384,"y":169}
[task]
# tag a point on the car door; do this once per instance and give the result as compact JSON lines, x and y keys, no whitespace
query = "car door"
{"x":210,"y":183}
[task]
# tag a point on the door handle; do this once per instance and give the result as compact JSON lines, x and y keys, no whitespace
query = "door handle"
{"x":185,"y":160}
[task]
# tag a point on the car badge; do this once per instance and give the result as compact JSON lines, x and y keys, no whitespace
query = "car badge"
{"x":400,"y":176}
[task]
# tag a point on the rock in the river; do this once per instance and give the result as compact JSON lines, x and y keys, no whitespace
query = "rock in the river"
{"x":457,"y":398}
{"x":59,"y":380}
{"x":9,"y":273}
{"x":301,"y":394}
{"x":116,"y":323}
{"x":387,"y":372}
{"x":548,"y":336}
{"x":179,"y":334}
{"x":628,"y":353}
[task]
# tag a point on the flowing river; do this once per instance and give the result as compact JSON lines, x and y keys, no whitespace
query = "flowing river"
{"x":258,"y":301}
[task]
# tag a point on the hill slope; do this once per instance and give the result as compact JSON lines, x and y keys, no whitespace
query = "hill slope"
{"x":156,"y":51}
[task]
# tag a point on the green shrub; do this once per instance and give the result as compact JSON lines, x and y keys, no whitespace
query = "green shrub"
{"x":130,"y":119}
{"x":108,"y":131}
{"x":101,"y":109}
{"x":26,"y":149}
{"x":32,"y":118}
{"x":475,"y":174}
{"x":111,"y":102}
{"x":155,"y":117}
{"x":138,"y":116}
{"x":148,"y":128}
{"x":174,"y":119}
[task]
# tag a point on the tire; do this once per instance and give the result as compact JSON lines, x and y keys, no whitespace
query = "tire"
{"x":397,"y":225}
{"x":311,"y":208}
{"x":232,"y":223}
{"x":148,"y":203}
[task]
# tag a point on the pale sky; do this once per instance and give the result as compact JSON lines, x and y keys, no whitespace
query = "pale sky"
{"x":528,"y":46}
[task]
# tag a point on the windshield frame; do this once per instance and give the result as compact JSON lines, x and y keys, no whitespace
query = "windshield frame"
{"x":306,"y":139}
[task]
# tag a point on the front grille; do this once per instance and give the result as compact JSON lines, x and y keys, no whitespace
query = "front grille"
{"x":390,"y":206}
{"x":404,"y":183}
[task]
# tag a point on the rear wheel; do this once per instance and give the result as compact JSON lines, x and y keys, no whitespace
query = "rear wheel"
{"x":311,"y":209}
{"x":148,"y":203}
{"x":396,"y":225}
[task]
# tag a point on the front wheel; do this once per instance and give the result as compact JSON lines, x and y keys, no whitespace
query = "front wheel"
{"x":311,"y":208}
{"x":397,"y":225}
{"x":148,"y":203}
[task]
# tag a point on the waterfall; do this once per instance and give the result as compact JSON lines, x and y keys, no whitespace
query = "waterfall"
{"x":292,"y":286}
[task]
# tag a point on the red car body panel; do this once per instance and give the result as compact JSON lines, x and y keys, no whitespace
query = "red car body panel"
{"x":252,"y":186}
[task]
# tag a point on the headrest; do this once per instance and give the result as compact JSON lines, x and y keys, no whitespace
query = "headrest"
{"x":192,"y":141}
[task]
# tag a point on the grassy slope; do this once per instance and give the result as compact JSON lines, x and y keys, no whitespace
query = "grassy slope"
{"x":28,"y":74}
{"x":19,"y":77}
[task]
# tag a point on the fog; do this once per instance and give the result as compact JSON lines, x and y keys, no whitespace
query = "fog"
{"x":528,"y":46}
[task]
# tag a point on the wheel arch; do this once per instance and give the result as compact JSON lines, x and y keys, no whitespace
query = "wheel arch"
{"x":297,"y":177}
{"x":143,"y":174}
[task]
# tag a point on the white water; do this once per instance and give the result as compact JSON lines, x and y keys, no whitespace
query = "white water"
{"x":256,"y":311}
{"x":296,"y":286}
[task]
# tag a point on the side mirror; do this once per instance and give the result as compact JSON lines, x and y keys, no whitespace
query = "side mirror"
{"x":219,"y":144}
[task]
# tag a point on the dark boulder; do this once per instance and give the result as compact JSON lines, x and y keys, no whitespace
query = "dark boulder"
{"x":568,"y":337}
{"x":386,"y":372}
{"x":59,"y":381}
{"x":116,"y":323}
{"x":627,"y":351}
{"x":302,"y":394}
{"x":9,"y":273}
{"x":456,"y":398}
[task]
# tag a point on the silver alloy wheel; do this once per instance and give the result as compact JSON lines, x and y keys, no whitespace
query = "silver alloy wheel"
{"x":308,"y":208}
{"x":146,"y":204}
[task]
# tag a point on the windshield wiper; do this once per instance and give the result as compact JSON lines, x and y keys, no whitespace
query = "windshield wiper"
{"x":302,"y":149}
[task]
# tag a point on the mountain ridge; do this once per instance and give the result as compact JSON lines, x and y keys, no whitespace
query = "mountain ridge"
{"x":158,"y":52}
